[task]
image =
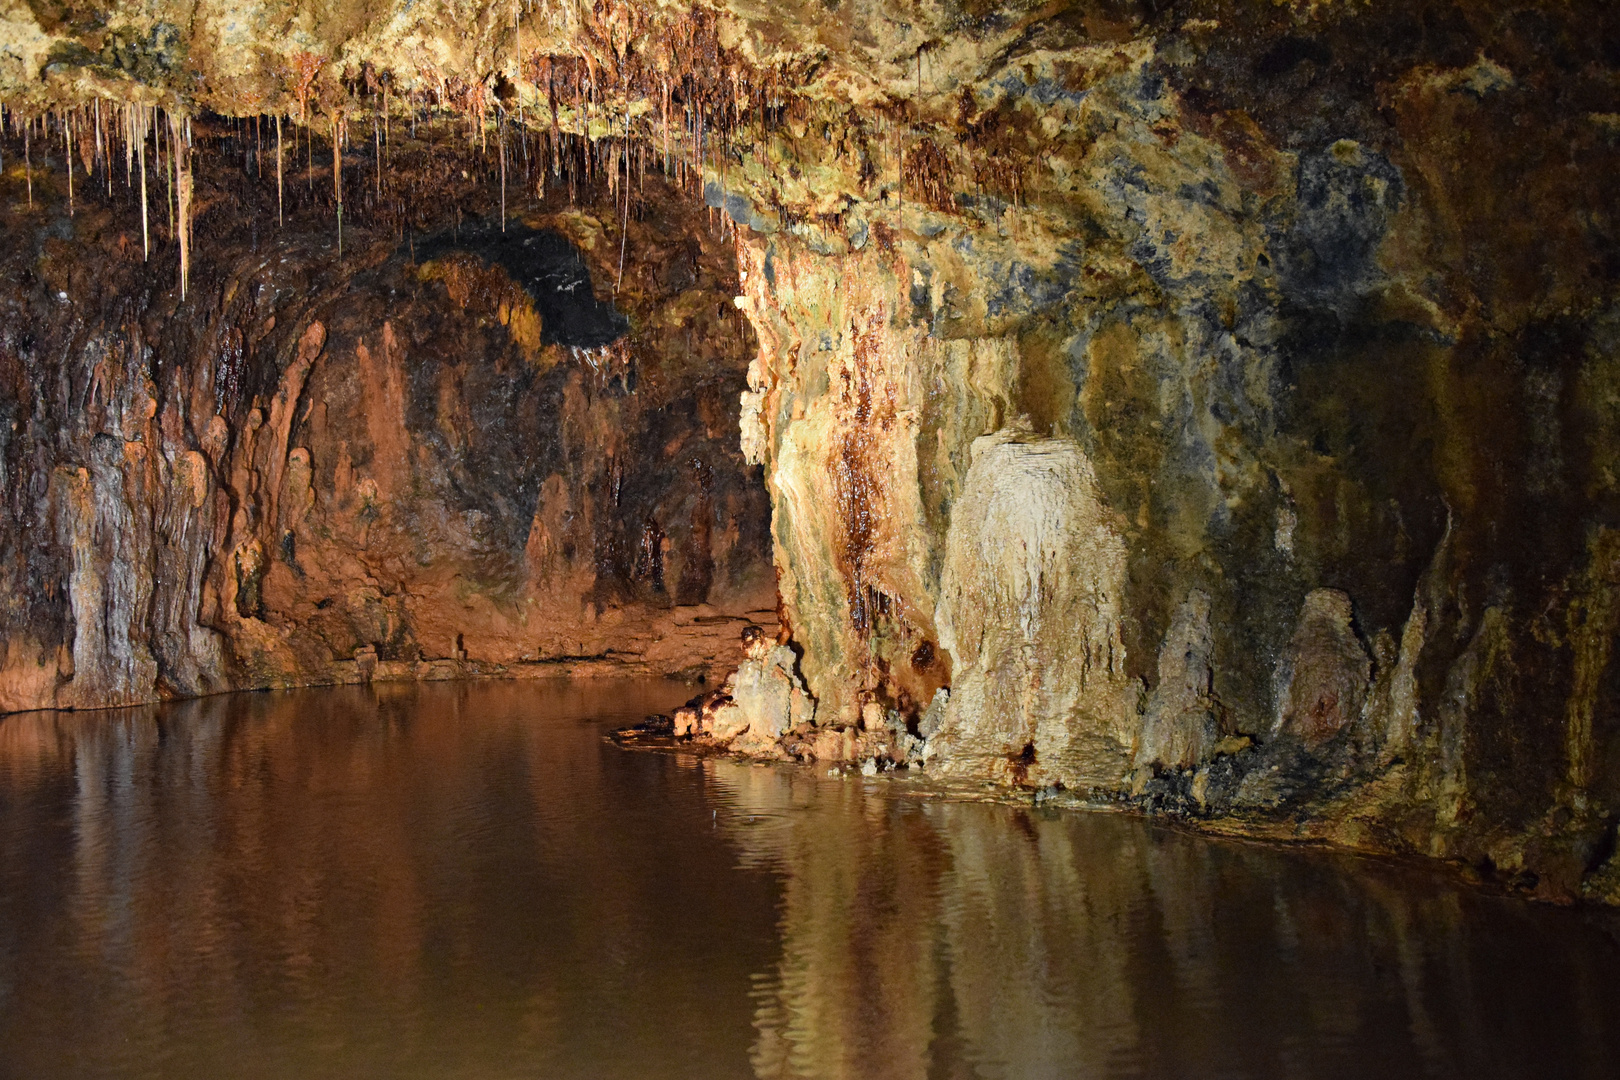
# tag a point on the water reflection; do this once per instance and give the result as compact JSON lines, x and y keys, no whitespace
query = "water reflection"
{"x":467,"y":881}
{"x":929,"y":938}
{"x":423,"y":882}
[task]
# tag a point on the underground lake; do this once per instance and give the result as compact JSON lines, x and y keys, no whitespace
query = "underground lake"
{"x":470,"y":880}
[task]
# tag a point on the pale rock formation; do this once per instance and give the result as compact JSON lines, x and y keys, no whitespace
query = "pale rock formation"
{"x":1322,"y":679}
{"x":1181,"y":725}
{"x":1030,"y":615}
{"x":759,"y":703}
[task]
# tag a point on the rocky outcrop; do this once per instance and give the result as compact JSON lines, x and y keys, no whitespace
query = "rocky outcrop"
{"x":1181,"y":723}
{"x":760,"y":703}
{"x":1289,"y":586}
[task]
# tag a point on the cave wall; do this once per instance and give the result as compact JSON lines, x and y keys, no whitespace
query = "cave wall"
{"x":473,"y":452}
{"x":1251,"y":460}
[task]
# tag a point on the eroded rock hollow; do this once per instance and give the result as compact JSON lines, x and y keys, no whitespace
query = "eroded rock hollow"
{"x":1208,"y":408}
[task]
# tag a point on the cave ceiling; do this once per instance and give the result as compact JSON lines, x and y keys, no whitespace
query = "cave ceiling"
{"x":239,"y":58}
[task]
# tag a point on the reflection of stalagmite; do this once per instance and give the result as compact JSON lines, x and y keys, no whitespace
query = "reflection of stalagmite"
{"x":1041,"y":967}
{"x":948,"y":938}
{"x":855,"y":993}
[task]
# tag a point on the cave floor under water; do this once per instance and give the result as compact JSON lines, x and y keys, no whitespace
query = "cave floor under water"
{"x":470,"y":881}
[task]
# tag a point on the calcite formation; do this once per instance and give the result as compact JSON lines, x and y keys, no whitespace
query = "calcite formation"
{"x":1207,"y":408}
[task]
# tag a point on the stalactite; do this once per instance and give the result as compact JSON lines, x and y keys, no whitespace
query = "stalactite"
{"x":556,"y":135}
{"x":67,"y":154}
{"x":86,"y":144}
{"x":523,"y":137}
{"x":146,"y":242}
{"x":624,"y":225}
{"x":104,"y":148}
{"x":281,"y":219}
{"x":168,"y":174}
{"x":180,"y":140}
{"x":337,"y":174}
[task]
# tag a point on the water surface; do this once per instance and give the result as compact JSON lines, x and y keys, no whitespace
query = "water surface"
{"x":467,"y":881}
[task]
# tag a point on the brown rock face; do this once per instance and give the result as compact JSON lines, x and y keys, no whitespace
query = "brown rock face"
{"x":461,"y":454}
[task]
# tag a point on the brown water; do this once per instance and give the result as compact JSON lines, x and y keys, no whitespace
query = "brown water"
{"x":467,"y":881}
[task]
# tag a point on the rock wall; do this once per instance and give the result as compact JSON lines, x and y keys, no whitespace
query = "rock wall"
{"x":1248,"y":461}
{"x":462,"y":451}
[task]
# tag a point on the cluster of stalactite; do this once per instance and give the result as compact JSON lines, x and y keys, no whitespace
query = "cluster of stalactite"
{"x":636,"y":93}
{"x":156,"y":147}
{"x":159,"y":146}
